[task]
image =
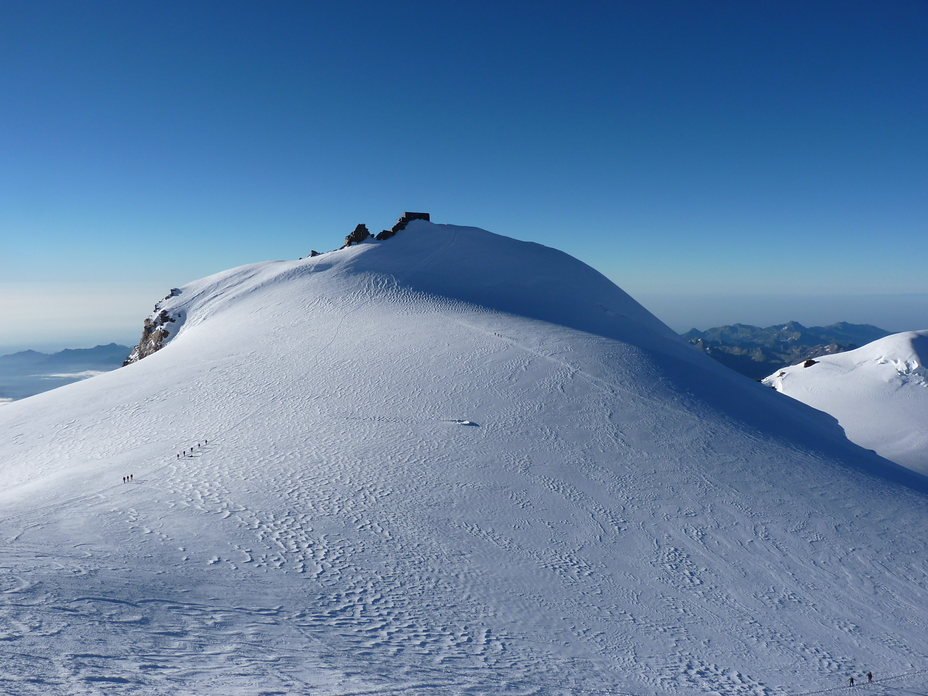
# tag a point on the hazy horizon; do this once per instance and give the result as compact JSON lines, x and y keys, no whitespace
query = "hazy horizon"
{"x":695,"y":154}
{"x":894,"y":313}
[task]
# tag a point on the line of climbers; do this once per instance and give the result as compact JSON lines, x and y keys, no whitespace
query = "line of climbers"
{"x":869,"y":679}
{"x":185,"y":453}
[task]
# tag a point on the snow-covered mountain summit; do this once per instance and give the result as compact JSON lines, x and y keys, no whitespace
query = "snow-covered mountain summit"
{"x":447,"y":462}
{"x":452,"y":265}
{"x":878,"y":393}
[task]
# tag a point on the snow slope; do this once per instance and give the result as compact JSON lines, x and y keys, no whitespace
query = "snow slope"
{"x":878,"y":393}
{"x":446,"y":463}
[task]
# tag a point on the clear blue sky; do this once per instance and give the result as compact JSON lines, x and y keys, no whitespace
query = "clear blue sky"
{"x":720,"y":161}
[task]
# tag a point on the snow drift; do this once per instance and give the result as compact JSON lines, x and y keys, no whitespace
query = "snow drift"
{"x":448,"y":462}
{"x":878,"y":393}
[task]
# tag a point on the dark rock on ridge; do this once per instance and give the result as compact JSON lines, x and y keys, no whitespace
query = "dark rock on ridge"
{"x":359,"y":235}
{"x":401,"y":224}
{"x":154,"y":332}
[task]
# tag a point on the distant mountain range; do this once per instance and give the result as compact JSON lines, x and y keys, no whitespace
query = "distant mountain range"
{"x":31,"y":372}
{"x":757,"y":352}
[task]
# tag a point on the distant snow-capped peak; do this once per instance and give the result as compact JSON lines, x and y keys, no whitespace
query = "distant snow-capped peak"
{"x":878,"y":393}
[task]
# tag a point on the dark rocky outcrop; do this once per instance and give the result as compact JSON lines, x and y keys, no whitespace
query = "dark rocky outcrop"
{"x":359,"y":235}
{"x":154,"y":332}
{"x":401,"y":224}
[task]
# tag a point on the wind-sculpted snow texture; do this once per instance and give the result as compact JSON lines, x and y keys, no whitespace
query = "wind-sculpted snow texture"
{"x":878,"y":393}
{"x":445,"y":463}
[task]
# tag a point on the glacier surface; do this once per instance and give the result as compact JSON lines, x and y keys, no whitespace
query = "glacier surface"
{"x":446,"y":463}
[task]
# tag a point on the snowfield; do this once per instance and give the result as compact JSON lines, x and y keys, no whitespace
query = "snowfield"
{"x":446,"y":463}
{"x":878,"y":393}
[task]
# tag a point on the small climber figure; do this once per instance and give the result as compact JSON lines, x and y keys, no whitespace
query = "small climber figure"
{"x":850,"y":682}
{"x":131,"y":477}
{"x":869,"y":677}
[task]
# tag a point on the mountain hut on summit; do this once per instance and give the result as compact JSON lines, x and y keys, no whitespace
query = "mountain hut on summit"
{"x":409,"y":217}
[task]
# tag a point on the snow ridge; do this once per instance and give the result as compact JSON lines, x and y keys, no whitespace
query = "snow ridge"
{"x":878,"y":393}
